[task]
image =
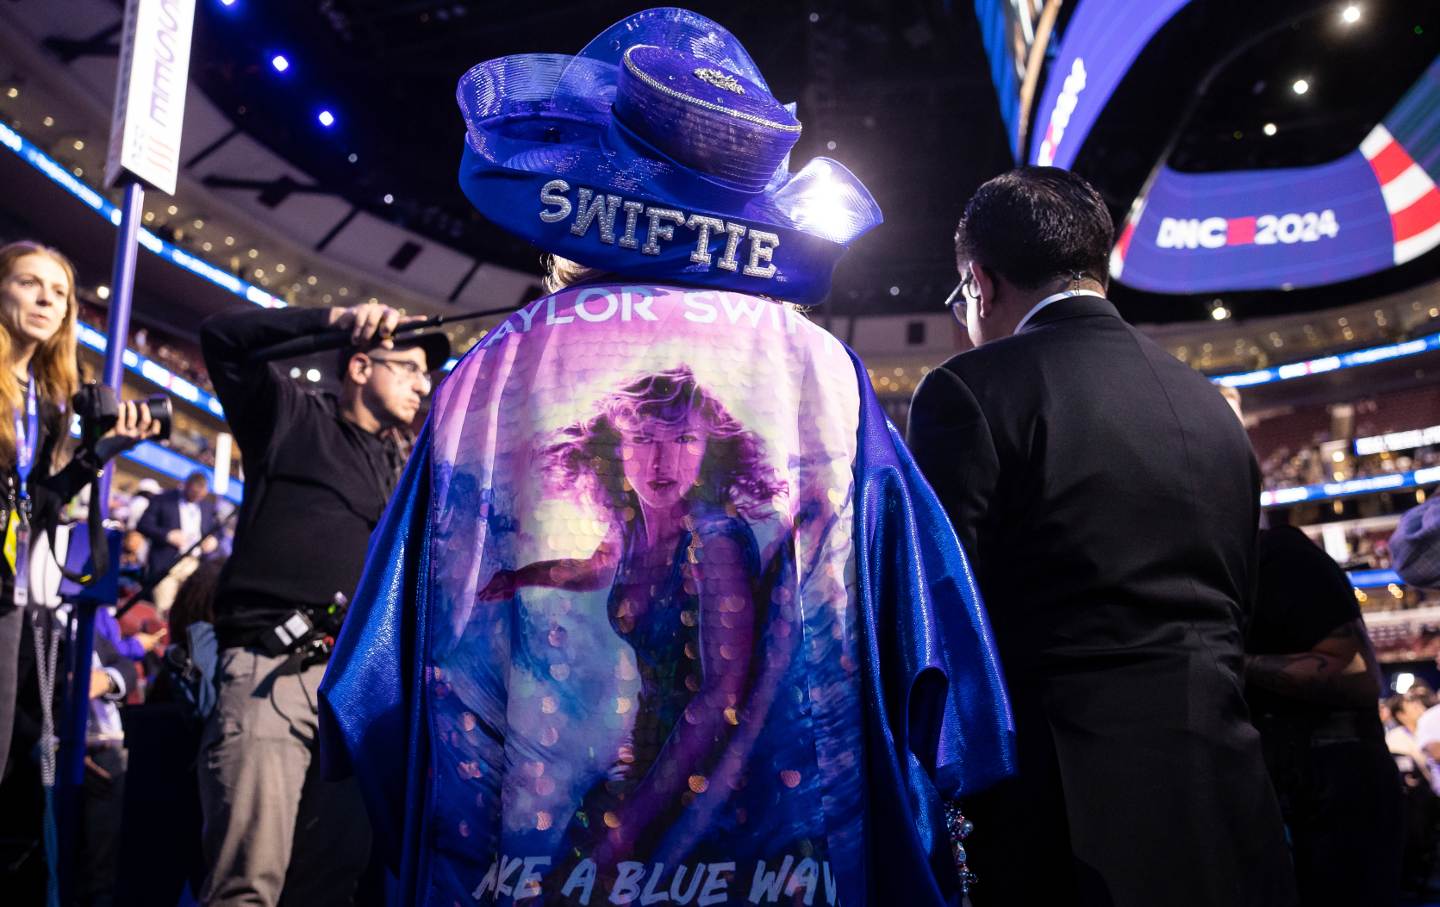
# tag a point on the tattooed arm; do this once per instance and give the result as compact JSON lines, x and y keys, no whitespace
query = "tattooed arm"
{"x":1340,"y":669}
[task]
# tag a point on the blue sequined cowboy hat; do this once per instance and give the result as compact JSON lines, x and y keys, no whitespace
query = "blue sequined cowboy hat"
{"x":658,"y":153}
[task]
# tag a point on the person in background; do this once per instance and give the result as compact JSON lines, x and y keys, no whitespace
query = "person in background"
{"x":319,"y":471}
{"x":38,"y":377}
{"x":1415,"y":545}
{"x":145,"y":492}
{"x":1422,"y":804}
{"x":1109,"y":501}
{"x":1312,"y":681}
{"x":174,"y":522}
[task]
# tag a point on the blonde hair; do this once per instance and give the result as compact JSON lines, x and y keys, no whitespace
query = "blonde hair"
{"x":562,"y":272}
{"x":57,"y":375}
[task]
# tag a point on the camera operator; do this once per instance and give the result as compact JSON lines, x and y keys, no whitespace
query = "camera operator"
{"x":319,"y":471}
{"x":38,"y":377}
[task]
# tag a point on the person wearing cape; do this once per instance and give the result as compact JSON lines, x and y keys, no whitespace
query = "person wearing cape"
{"x":662,"y":609}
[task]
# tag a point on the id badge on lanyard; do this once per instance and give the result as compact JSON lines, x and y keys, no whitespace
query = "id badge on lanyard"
{"x":17,"y":535}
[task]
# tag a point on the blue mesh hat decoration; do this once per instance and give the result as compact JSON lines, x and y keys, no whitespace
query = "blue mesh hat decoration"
{"x":658,"y":153}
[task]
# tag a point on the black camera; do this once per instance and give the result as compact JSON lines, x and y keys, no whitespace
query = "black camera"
{"x":308,"y":632}
{"x":99,"y":410}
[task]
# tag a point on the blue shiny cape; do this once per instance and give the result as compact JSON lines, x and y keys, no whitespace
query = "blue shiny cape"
{"x":937,"y":723}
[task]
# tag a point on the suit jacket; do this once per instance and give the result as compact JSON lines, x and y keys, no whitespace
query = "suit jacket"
{"x":162,"y":516}
{"x":1109,"y":500}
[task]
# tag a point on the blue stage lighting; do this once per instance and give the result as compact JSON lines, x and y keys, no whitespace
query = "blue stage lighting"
{"x":278,"y":61}
{"x":327,"y":119}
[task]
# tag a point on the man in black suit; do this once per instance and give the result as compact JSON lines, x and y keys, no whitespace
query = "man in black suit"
{"x":1108,"y":500}
{"x":174,"y":522}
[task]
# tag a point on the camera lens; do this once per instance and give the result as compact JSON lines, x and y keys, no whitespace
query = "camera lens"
{"x":161,"y":411}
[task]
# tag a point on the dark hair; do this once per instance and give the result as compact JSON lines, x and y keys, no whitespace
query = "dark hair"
{"x":1035,"y":224}
{"x":195,"y":601}
{"x":733,"y":472}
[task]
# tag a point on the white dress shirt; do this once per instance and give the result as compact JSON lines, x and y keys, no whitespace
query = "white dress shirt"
{"x":1054,"y":297}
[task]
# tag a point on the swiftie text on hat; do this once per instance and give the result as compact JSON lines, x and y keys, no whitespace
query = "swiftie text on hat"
{"x":603,"y":210}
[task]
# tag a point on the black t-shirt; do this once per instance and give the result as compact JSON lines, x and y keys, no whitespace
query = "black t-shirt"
{"x":1303,"y":595}
{"x":315,"y":483}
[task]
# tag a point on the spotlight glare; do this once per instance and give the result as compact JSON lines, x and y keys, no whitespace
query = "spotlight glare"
{"x":327,"y":119}
{"x":1351,"y":15}
{"x":1300,"y":87}
{"x":1270,"y":129}
{"x":389,"y":199}
{"x":227,"y":2}
{"x":1219,"y":312}
{"x":102,"y":291}
{"x":312,"y":374}
{"x":279,"y":62}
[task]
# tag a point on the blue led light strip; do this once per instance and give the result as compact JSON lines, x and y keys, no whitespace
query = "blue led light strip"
{"x":102,"y":206}
{"x":1369,"y":579}
{"x":1324,"y":491}
{"x":1324,"y":364}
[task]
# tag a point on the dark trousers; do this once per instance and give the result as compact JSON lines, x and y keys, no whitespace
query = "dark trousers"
{"x":1343,"y":804}
{"x":101,"y":803}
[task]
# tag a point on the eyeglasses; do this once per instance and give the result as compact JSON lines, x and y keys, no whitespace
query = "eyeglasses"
{"x":405,"y":368}
{"x":964,"y":291}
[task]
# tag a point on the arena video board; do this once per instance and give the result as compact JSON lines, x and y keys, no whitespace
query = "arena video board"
{"x":1008,"y":31}
{"x":1372,"y":209}
{"x":1100,"y":43}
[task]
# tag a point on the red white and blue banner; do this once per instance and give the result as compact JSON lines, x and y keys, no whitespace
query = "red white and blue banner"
{"x":1370,"y":210}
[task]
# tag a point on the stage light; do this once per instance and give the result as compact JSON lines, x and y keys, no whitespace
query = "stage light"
{"x":313,"y":374}
{"x":173,"y":210}
{"x":102,"y":291}
{"x":279,"y":62}
{"x":199,"y":224}
{"x":326,"y":118}
{"x":830,"y":145}
{"x":12,"y":92}
{"x":78,"y":144}
{"x":1351,"y":15}
{"x":388,"y":199}
{"x":1300,"y":87}
{"x":353,"y":157}
{"x":227,"y":2}
{"x":48,"y":121}
{"x":1404,"y":681}
{"x":894,"y":291}
{"x":1270,"y":129}
{"x":1218,"y":311}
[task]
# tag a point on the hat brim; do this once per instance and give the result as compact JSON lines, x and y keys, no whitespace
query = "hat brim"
{"x":435,"y":345}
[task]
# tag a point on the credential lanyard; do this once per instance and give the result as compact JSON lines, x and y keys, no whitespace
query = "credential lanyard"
{"x":27,"y":438}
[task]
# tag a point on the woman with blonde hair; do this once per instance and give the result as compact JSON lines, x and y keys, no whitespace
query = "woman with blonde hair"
{"x":38,"y":376}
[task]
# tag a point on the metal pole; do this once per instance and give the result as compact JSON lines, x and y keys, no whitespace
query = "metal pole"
{"x":70,"y":775}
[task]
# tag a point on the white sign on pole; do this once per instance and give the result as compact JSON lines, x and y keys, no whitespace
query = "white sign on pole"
{"x":150,"y":92}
